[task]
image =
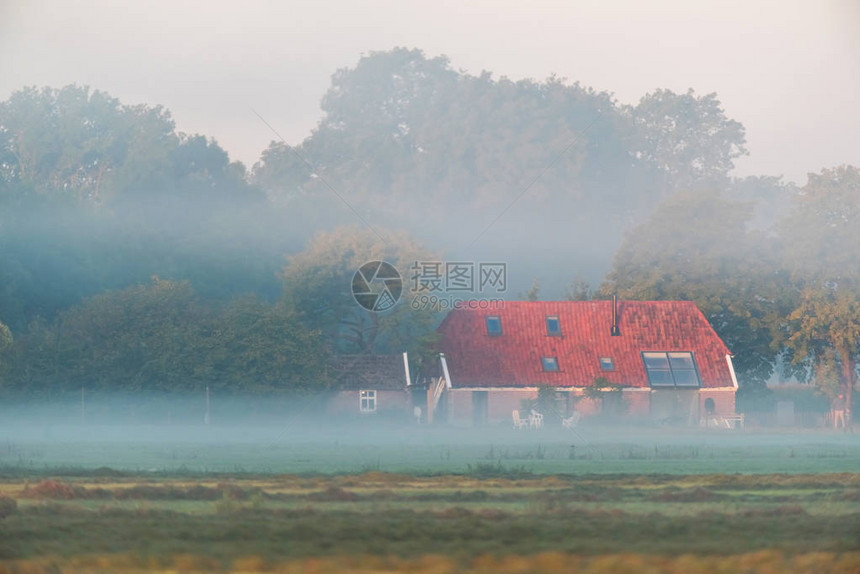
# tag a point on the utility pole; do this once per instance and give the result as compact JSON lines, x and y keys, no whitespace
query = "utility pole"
{"x":206,"y":418}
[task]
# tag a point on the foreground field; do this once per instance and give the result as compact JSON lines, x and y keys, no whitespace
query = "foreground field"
{"x":316,"y":497}
{"x":383,"y":522}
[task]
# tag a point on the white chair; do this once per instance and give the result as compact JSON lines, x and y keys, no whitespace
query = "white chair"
{"x":536,"y":420}
{"x":518,"y":422}
{"x":571,"y":421}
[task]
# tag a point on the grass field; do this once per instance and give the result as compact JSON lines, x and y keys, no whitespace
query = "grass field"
{"x":305,"y":499}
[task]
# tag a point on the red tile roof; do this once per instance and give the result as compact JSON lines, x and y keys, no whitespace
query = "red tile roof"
{"x":514,"y":358}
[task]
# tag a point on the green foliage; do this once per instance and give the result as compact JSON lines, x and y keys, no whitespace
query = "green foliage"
{"x":80,"y":144}
{"x":821,"y":237}
{"x":608,"y":394}
{"x":579,"y":290}
{"x":408,"y":138}
{"x":687,"y":138}
{"x":318,"y":283}
{"x":696,"y":247}
{"x":162,"y":337}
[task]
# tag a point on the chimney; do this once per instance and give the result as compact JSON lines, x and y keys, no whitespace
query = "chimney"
{"x":615,"y":332}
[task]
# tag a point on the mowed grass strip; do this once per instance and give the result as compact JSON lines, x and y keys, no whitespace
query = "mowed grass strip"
{"x":64,"y":530}
{"x":297,"y":517}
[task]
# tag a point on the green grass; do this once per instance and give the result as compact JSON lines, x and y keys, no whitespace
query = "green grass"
{"x":285,"y":517}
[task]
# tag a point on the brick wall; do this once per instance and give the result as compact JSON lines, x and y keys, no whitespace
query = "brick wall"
{"x":724,"y":402}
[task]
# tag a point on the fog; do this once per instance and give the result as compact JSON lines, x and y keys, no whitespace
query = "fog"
{"x":247,"y":437}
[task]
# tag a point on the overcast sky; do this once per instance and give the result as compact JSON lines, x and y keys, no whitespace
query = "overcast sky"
{"x":788,"y":70}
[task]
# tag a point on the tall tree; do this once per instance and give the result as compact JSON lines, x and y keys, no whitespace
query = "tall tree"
{"x":697,"y":247}
{"x":78,"y":143}
{"x":820,"y":239}
{"x":687,"y":138}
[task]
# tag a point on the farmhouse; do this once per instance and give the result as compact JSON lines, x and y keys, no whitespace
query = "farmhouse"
{"x":662,"y":358}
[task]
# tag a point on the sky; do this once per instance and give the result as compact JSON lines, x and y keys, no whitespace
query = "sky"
{"x":788,"y":70}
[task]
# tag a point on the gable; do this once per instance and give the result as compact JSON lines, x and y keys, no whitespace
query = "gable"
{"x":578,"y":337}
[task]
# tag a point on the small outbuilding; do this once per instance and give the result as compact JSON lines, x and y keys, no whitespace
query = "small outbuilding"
{"x":368,"y":384}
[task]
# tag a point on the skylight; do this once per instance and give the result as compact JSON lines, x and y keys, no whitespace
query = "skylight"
{"x":549,"y":363}
{"x":675,"y":369}
{"x":553,"y":325}
{"x":494,"y":325}
{"x":606,"y":364}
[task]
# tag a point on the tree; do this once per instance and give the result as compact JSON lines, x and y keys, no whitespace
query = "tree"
{"x":80,"y":144}
{"x":407,"y":137}
{"x":318,"y":283}
{"x":533,"y":294}
{"x":687,"y":138}
{"x":696,"y":247}
{"x":579,"y":290}
{"x":826,"y":329}
{"x":163,"y":338}
{"x":253,"y":347}
{"x":820,"y":238}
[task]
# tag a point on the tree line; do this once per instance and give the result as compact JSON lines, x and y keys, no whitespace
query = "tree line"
{"x":133,"y":256}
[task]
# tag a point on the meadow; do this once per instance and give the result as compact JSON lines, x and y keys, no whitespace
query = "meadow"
{"x":320,"y":498}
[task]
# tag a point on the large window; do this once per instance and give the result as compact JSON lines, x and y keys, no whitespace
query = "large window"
{"x":677,"y":369}
{"x":553,"y":325}
{"x":494,"y":325}
{"x":367,"y":401}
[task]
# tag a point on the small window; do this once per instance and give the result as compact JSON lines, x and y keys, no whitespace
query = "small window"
{"x":553,"y":325}
{"x":606,"y":364}
{"x":494,"y":325}
{"x":367,"y":402}
{"x":549,"y":363}
{"x":671,"y":369}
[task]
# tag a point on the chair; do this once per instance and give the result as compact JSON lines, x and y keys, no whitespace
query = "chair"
{"x":536,"y":420}
{"x":571,"y":421}
{"x":518,"y":422}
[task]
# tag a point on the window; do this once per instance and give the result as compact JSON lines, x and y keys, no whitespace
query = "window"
{"x":494,"y":325}
{"x":671,"y":369}
{"x":553,"y":325}
{"x":606,"y":364}
{"x":367,"y":401}
{"x":549,"y":363}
